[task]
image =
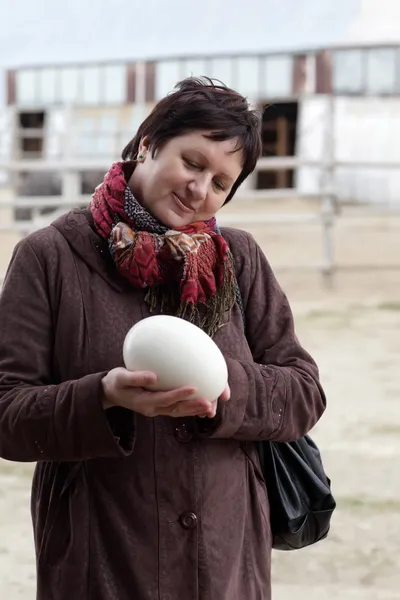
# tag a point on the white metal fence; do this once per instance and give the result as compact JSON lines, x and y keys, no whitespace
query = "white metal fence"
{"x":44,"y":209}
{"x":71,"y":197}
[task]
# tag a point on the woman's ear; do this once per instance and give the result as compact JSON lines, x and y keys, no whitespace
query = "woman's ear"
{"x":144,"y":145}
{"x":144,"y":148}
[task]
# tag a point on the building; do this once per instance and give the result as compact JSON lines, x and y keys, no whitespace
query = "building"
{"x":335,"y":109}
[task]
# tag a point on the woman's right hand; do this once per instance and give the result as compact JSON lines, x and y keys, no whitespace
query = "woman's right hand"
{"x":128,"y":389}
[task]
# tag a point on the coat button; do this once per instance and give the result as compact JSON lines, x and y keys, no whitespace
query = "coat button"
{"x":182,"y":434}
{"x":188,"y":520}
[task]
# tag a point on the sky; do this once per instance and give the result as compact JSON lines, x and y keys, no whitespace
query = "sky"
{"x":53,"y":31}
{"x":47,"y":32}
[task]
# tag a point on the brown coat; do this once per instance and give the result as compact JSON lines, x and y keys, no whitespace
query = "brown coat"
{"x":126,"y":507}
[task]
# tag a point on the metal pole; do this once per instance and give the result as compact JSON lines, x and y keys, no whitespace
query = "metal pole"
{"x":328,"y":201}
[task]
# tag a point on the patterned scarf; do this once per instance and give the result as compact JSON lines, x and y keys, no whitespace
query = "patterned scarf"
{"x":188,"y":272}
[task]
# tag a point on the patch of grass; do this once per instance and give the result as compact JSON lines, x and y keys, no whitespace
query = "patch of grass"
{"x":388,"y":429}
{"x":389,"y":306}
{"x":392,"y":394}
{"x":357,"y":503}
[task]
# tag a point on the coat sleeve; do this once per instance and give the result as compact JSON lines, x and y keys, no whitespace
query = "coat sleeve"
{"x":41,"y":419}
{"x":278,"y":395}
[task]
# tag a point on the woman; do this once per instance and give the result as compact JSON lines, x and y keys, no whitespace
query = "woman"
{"x":137,"y":494}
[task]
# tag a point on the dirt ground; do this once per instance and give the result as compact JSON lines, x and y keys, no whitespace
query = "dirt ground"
{"x":353,"y":330}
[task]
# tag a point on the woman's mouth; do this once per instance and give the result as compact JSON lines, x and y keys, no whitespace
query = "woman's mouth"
{"x":181,"y":205}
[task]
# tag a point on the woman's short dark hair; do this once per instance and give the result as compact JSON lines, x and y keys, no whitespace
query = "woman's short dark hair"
{"x":208,"y":105}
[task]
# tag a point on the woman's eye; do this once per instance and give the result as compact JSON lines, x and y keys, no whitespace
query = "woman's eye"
{"x":192,"y":164}
{"x":219,"y":186}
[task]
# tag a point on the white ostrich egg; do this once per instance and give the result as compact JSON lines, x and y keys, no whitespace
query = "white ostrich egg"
{"x":179,"y":353}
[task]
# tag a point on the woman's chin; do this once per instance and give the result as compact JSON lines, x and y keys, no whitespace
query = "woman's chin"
{"x":171,"y":219}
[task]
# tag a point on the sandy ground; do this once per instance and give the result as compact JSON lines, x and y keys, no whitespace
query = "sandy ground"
{"x":352,"y":329}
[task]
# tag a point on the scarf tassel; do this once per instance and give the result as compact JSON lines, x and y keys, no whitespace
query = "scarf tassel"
{"x":205,"y":315}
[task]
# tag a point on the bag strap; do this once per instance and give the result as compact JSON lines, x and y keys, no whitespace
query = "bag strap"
{"x":259,"y":444}
{"x":239,"y":301}
{"x":239,"y":298}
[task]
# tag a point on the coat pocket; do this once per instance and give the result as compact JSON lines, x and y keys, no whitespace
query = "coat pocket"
{"x":57,"y":528}
{"x":256,"y":484}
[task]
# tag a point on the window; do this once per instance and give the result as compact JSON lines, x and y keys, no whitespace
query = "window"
{"x":108,"y":134}
{"x":348,"y":72}
{"x":381,"y":71}
{"x":47,"y":86}
{"x":69,"y":85}
{"x":276,"y":77}
{"x":26,"y":87}
{"x":248,"y":77}
{"x":168,"y":73}
{"x":114,"y":84}
{"x":222,"y":69}
{"x":194,"y":67}
{"x":137,"y":115}
{"x":86,"y":135}
{"x":91,"y":85}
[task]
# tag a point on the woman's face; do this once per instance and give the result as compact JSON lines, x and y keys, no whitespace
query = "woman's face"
{"x":188,"y":180}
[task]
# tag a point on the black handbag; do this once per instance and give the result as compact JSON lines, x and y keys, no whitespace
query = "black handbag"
{"x":301,"y":503}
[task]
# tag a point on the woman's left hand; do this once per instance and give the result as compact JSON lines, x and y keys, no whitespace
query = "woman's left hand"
{"x":224,"y":397}
{"x":226,"y":394}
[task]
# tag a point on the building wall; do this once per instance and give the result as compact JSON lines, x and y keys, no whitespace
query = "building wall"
{"x":93,"y":132}
{"x":366,"y":130}
{"x":312,"y":136}
{"x":6,"y":138}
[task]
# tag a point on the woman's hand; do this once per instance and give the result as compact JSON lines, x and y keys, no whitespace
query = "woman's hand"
{"x":128,"y":389}
{"x":226,"y":394}
{"x":224,"y":397}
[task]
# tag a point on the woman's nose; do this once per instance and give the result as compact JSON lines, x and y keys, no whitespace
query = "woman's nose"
{"x":199,"y":187}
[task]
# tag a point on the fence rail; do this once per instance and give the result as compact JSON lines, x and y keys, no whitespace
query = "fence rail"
{"x":270,"y":163}
{"x":45,"y":208}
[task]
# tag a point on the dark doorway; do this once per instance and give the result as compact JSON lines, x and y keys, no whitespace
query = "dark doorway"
{"x":31,"y":134}
{"x":279,"y":129}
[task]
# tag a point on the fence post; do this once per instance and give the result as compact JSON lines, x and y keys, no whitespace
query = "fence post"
{"x":328,"y":200}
